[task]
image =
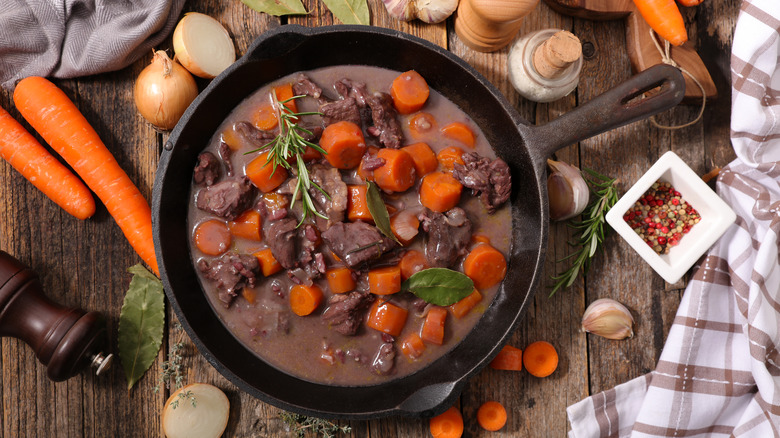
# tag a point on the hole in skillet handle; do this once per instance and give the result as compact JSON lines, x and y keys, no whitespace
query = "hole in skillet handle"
{"x":646,"y":93}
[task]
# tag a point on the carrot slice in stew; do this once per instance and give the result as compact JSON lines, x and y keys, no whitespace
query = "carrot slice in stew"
{"x":384,"y":281}
{"x":413,"y":346}
{"x":344,"y":143}
{"x":409,"y":91}
{"x":340,"y":280}
{"x":485,"y":265}
{"x":263,"y":174}
{"x":421,"y":124}
{"x":250,"y":295}
{"x":424,"y":159}
{"x":247,"y":225}
{"x":284,"y":92}
{"x":447,"y":425}
{"x":464,"y":306}
{"x":357,"y":204}
{"x":449,"y":156}
{"x":509,"y":358}
{"x":265,"y":117}
{"x":480,"y":238}
{"x":232,"y":139}
{"x":433,"y":328}
{"x":367,"y":175}
{"x":275,"y":201}
{"x":398,"y":173}
{"x":459,"y":132}
{"x":440,"y":192}
{"x":212,"y":237}
{"x":386,"y":317}
{"x":268,"y":263}
{"x":305,"y":299}
{"x":412,"y":262}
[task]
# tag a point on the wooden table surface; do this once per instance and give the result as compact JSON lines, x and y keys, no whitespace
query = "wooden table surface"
{"x":83,"y":263}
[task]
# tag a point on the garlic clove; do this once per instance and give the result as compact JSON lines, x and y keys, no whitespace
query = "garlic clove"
{"x":435,"y":11}
{"x":403,"y":10}
{"x":567,"y":191}
{"x":608,"y":318}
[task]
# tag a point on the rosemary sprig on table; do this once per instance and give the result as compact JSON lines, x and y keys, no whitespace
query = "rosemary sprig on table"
{"x":289,"y":143}
{"x":592,"y":230}
{"x":300,"y":424}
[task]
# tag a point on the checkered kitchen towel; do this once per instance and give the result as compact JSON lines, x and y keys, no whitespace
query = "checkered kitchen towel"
{"x":719,"y":372}
{"x":70,"y":38}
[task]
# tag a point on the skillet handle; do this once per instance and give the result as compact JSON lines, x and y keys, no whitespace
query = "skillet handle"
{"x":619,"y":106}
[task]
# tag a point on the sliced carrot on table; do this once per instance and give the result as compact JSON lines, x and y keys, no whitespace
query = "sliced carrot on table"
{"x":305,"y":299}
{"x":50,"y":112}
{"x":432,"y":330}
{"x":464,"y":306}
{"x":398,"y":173}
{"x":459,"y":132}
{"x":384,"y":281}
{"x":509,"y":358}
{"x":344,"y":143}
{"x":448,"y":156}
{"x":440,"y":192}
{"x":665,"y":19}
{"x":212,"y":237}
{"x":412,"y":346}
{"x":386,"y":317}
{"x":405,"y":226}
{"x":268,"y":263}
{"x":263,"y":174}
{"x":424,"y":159}
{"x":447,"y":425}
{"x":491,"y":416}
{"x":421,"y":124}
{"x":247,"y":225}
{"x":357,"y":204}
{"x":540,"y":359}
{"x":412,"y":262}
{"x":340,"y":280}
{"x":409,"y":92}
{"x":485,"y":265}
{"x":264,"y":117}
{"x":46,"y":173}
{"x":284,"y":92}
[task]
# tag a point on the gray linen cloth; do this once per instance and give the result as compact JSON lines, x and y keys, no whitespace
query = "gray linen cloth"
{"x":70,"y":38}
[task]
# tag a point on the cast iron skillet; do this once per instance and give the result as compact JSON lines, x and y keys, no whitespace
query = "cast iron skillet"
{"x":291,"y":48}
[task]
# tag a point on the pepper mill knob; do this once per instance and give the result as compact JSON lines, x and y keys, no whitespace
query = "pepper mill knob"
{"x":556,"y":54}
{"x":489,"y":25}
{"x":66,"y":340}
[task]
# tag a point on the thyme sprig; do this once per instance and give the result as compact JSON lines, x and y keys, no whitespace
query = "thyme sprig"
{"x":289,"y":143}
{"x":300,"y":424}
{"x":171,"y":370}
{"x":591,"y":229}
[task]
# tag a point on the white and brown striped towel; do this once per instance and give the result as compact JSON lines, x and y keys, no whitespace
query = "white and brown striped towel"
{"x":719,"y":372}
{"x":70,"y":38}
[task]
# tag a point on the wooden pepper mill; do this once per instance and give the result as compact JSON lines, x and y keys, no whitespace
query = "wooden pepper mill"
{"x":65,"y":339}
{"x":489,"y":25}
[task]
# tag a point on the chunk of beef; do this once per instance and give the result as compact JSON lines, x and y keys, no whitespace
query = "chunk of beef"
{"x":257,"y":137}
{"x":371,"y":162}
{"x":312,"y":133}
{"x":340,"y":110}
{"x":280,"y":237}
{"x":384,"y":358}
{"x":231,"y":272}
{"x":448,"y":236}
{"x":228,"y":198}
{"x":349,"y":88}
{"x":309,"y":259}
{"x":335,"y":203}
{"x":344,"y":312}
{"x":265,"y":317}
{"x":491,"y":180}
{"x":356,"y":242}
{"x":303,"y":86}
{"x":207,"y":169}
{"x":225,"y":153}
{"x":386,"y":126}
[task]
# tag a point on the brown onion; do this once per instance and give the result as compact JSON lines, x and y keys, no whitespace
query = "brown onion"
{"x":163,"y":91}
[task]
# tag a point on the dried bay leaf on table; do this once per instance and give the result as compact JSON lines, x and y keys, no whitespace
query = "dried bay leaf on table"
{"x":349,"y":11}
{"x":277,"y":7}
{"x":141,"y":324}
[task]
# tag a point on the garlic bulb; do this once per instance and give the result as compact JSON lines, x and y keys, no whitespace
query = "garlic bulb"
{"x":608,"y":318}
{"x":567,"y":191}
{"x":429,"y":11}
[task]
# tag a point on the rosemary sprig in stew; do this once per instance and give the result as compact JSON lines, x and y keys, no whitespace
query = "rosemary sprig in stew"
{"x":289,"y":143}
{"x":592,"y":230}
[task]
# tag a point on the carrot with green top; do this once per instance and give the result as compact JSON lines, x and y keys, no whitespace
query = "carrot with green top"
{"x":665,"y":19}
{"x":37,"y":165}
{"x":50,"y":112}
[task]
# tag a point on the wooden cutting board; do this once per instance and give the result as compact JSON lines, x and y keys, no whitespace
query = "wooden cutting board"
{"x":641,"y":50}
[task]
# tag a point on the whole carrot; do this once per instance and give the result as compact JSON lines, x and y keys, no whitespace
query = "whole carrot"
{"x":62,"y":125}
{"x":665,"y":19}
{"x":34,"y":162}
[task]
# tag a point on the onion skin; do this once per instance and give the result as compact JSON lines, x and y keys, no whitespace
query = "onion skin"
{"x":567,"y":191}
{"x":428,"y":11}
{"x":163,"y":91}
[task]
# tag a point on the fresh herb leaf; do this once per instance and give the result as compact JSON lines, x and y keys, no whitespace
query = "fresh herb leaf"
{"x":591,"y":229}
{"x":378,"y":210}
{"x":185,"y":395}
{"x":349,"y":11}
{"x":141,"y":324}
{"x":277,"y":7}
{"x":439,"y":286}
{"x":301,"y":424}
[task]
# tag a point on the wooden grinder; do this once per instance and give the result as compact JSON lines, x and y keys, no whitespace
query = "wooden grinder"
{"x":65,"y":339}
{"x":489,"y":25}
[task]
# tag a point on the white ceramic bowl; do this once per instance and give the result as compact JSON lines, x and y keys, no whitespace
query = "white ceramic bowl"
{"x":716,"y":217}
